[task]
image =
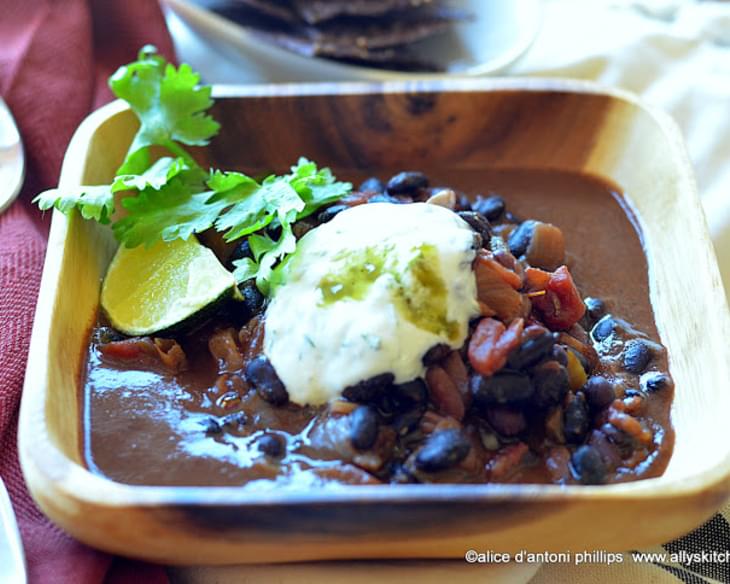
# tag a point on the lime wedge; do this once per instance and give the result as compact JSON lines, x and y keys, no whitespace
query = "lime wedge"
{"x":165,"y":287}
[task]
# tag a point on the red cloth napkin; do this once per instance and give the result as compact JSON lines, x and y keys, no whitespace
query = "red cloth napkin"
{"x":55,"y":57}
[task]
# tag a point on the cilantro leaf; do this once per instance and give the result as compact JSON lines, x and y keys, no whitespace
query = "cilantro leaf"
{"x":156,"y":176}
{"x":169,"y":102}
{"x":253,"y":206}
{"x":244,"y":212}
{"x":286,"y":245}
{"x":267,"y":252}
{"x":224,"y":182}
{"x":245,"y":269}
{"x":95,"y":202}
{"x":316,"y":187}
{"x":173,"y":212}
{"x":288,"y":198}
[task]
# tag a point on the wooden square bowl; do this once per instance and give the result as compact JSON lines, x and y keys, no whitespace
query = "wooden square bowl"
{"x":466,"y":125}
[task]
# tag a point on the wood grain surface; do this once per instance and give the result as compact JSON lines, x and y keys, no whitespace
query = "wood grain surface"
{"x":563,"y":125}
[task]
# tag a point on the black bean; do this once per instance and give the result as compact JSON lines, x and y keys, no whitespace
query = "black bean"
{"x":368,"y":390}
{"x":637,"y":356}
{"x":274,"y":231}
{"x":385,"y":198}
{"x":406,"y":183}
{"x":330,"y":212}
{"x":253,"y":300}
{"x":595,"y":309}
{"x":271,"y":445}
{"x":462,"y":202}
{"x":506,"y":421}
{"x":235,"y":421}
{"x":519,"y":239}
{"x":589,"y":466}
{"x":435,"y":354}
{"x":409,"y":420}
{"x":364,"y":423}
{"x":657,"y":382}
{"x":511,"y":218}
{"x":600,"y":392}
{"x":532,"y":351}
{"x":386,"y":406}
{"x":506,"y":387}
{"x":211,"y":426}
{"x":478,"y":223}
{"x":261,"y":374}
{"x":604,"y":328}
{"x":372,"y":185}
{"x":491,"y":207}
{"x":576,"y":420}
{"x":623,"y":441}
{"x":241,"y":251}
{"x":551,"y":383}
{"x":443,"y":449}
{"x":407,"y":395}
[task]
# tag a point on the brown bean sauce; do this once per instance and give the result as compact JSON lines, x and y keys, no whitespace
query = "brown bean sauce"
{"x":144,"y":423}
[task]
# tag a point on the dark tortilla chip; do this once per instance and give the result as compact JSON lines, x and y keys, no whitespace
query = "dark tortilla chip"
{"x":316,"y":11}
{"x":276,"y":9}
{"x":390,"y":58}
{"x":351,"y":37}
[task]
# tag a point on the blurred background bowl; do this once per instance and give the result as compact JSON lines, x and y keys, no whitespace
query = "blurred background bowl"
{"x":499,"y":34}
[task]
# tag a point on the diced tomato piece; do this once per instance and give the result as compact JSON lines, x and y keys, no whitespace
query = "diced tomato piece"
{"x":497,"y":288}
{"x":486,"y":259}
{"x":561,"y":306}
{"x":536,"y":279}
{"x":482,"y":343}
{"x":146,"y":353}
{"x":128,"y":348}
{"x":491,"y":343}
{"x":445,"y":393}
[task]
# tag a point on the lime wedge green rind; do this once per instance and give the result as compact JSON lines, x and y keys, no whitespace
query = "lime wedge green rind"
{"x":164,"y":287}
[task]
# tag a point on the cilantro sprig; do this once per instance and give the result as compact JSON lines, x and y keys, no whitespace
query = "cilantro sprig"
{"x":170,"y":104}
{"x":173,"y":197}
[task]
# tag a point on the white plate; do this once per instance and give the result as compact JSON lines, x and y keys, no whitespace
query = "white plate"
{"x":500,"y":33}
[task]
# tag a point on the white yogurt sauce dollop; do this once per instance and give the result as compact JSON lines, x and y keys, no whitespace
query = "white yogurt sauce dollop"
{"x":369,"y":293}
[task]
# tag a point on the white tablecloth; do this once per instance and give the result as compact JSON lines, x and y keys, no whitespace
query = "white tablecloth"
{"x":675,"y":54}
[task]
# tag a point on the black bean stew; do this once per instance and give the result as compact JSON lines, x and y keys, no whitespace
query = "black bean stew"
{"x":550,"y":387}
